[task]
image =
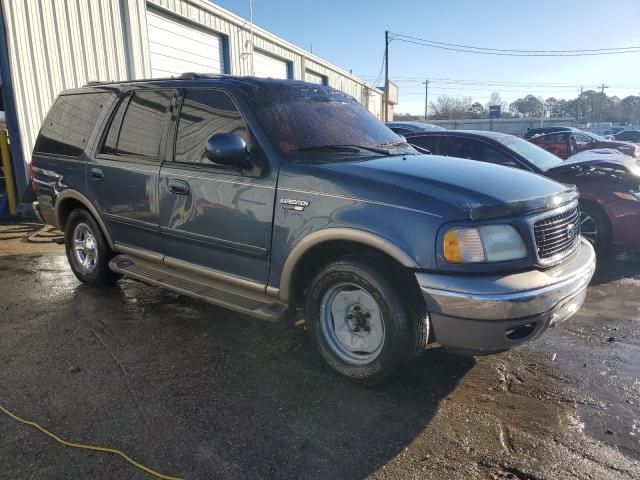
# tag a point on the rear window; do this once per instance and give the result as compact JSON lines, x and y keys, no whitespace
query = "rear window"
{"x":137,"y":124}
{"x":70,"y":123}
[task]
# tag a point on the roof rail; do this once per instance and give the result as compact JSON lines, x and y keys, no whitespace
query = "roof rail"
{"x":182,"y":76}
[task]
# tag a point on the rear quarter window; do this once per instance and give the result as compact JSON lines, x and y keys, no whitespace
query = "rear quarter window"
{"x":72,"y":119}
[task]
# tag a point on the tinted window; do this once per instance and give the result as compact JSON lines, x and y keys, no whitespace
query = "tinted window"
{"x":430,"y":143}
{"x":478,"y":150}
{"x":137,"y":124}
{"x":583,"y":138}
{"x":555,"y":137}
{"x":205,"y":113}
{"x":70,"y":122}
{"x":629,"y":135}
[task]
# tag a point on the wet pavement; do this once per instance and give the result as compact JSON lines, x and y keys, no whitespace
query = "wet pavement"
{"x":197,"y":392}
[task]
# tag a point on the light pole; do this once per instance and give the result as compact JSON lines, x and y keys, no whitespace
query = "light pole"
{"x":426,"y":97}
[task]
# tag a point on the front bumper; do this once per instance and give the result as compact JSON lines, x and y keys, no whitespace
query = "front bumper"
{"x":484,"y":314}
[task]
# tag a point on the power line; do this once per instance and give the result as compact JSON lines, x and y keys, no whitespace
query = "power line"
{"x":451,"y":81}
{"x":511,"y":52}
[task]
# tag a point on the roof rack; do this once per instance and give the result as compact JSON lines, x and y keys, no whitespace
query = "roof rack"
{"x":182,"y":76}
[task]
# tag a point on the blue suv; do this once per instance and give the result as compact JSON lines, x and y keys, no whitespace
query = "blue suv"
{"x":263,"y":196}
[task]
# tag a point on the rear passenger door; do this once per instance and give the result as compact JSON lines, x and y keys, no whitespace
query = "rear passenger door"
{"x":123,"y":177}
{"x":214,"y":217}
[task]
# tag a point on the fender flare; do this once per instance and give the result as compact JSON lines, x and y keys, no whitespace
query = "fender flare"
{"x":75,"y":195}
{"x":331,"y":234}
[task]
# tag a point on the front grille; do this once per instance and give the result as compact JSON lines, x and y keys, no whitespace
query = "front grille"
{"x":558,"y":235}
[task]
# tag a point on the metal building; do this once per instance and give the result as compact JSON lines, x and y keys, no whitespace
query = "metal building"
{"x":50,"y":45}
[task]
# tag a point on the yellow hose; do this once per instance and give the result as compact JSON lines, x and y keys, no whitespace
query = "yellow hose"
{"x":8,"y":172}
{"x":87,"y":447}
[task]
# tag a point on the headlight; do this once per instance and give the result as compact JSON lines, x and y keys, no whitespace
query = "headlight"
{"x":488,"y":243}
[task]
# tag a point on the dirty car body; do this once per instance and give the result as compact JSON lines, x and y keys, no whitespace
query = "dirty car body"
{"x":263,"y":195}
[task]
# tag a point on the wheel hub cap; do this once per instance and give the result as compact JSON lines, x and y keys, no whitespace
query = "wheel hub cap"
{"x":352,"y":324}
{"x":85,"y":248}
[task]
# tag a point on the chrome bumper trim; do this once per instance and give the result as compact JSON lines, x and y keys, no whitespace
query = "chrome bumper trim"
{"x":508,"y":297}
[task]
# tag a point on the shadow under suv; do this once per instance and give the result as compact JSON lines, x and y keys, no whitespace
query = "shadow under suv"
{"x":261,"y":195}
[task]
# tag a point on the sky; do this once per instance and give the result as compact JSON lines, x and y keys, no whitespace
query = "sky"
{"x":350,"y":34}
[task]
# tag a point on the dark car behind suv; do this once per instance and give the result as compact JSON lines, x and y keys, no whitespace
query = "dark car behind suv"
{"x":263,"y":195}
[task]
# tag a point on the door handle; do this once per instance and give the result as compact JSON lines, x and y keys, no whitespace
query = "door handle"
{"x":179,"y":187}
{"x":97,"y":174}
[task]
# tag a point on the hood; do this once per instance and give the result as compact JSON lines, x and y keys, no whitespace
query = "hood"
{"x":484,"y":190}
{"x":602,"y":157}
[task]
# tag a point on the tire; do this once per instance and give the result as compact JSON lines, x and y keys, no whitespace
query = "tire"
{"x":595,"y":226}
{"x":95,"y":269}
{"x":354,"y":287}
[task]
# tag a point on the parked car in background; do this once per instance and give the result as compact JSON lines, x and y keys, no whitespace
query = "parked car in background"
{"x":542,"y":130}
{"x":612,"y":131}
{"x":405,"y":128}
{"x":608,"y":182}
{"x":265,"y":196}
{"x":632,"y":136}
{"x":568,"y":143}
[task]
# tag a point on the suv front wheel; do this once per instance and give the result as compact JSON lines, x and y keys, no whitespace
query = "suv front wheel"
{"x":87,"y":250}
{"x":363,"y":326}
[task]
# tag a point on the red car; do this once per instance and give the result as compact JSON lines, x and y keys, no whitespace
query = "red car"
{"x":608,"y":182}
{"x":567,"y":143}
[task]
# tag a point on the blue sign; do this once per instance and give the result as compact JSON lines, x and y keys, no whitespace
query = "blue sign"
{"x":495,"y":111}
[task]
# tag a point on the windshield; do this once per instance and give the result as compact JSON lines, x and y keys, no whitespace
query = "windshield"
{"x":536,"y":155}
{"x":596,"y":137}
{"x":309,"y":122}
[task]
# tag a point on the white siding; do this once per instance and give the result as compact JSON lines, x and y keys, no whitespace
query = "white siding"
{"x":268,"y":66}
{"x":176,"y":47}
{"x":61,"y":44}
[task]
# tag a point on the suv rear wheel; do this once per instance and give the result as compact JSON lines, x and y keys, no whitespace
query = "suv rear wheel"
{"x":361,"y":323}
{"x":87,"y":250}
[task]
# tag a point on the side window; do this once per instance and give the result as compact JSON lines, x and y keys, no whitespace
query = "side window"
{"x":478,"y":150}
{"x":137,"y":124}
{"x":464,"y":148}
{"x":429,"y":142}
{"x":582,"y":138}
{"x":205,"y":113}
{"x":70,"y":123}
{"x":555,"y":137}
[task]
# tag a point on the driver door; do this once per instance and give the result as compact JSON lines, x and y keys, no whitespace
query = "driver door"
{"x":215,"y":217}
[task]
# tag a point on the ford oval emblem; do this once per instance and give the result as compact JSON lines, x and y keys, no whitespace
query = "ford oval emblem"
{"x":570,"y":229}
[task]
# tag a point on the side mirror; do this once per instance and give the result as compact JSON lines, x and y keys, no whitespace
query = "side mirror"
{"x":227,"y":149}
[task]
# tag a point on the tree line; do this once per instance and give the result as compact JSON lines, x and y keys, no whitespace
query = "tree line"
{"x":589,"y":106}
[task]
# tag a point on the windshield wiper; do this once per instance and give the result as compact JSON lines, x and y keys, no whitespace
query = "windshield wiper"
{"x":343,"y":148}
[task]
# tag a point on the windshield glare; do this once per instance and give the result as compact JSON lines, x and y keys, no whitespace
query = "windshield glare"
{"x":300,"y":118}
{"x":536,"y":155}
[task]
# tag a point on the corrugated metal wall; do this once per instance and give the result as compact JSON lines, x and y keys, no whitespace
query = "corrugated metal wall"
{"x":59,"y":44}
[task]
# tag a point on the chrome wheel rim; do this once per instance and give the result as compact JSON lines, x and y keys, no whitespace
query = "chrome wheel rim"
{"x":588,"y":227}
{"x":85,"y":248}
{"x":351,"y":323}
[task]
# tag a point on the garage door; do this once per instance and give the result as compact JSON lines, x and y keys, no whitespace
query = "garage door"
{"x":268,"y":66}
{"x":314,"y":77}
{"x":177,"y":47}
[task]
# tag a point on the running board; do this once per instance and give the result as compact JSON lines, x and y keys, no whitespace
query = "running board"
{"x":241,"y":300}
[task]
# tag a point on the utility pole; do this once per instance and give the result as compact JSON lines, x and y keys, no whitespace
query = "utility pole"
{"x":578,"y":107}
{"x":385,"y":115}
{"x":600,"y":113}
{"x":426,"y":97}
